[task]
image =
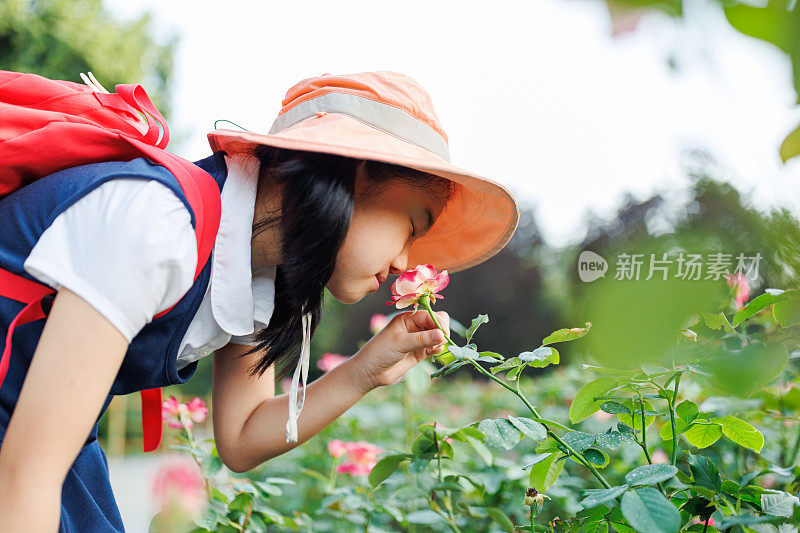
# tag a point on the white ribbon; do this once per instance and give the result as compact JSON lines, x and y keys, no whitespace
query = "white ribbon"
{"x":295,"y":406}
{"x":390,"y":119}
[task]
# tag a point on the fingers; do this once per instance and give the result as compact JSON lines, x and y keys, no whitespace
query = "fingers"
{"x":422,"y":320}
{"x":420,"y":340}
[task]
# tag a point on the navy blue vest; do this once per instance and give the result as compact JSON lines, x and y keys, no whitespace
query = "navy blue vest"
{"x":150,"y":362}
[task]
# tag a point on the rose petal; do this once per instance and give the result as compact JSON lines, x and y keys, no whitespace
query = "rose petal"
{"x":336,"y":448}
{"x":426,"y":270}
{"x":408,"y":282}
{"x":170,"y":407}
{"x":197,"y":410}
{"x":442,"y":280}
{"x":405,"y":301}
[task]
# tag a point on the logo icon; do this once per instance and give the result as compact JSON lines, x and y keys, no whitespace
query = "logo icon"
{"x":591,"y":266}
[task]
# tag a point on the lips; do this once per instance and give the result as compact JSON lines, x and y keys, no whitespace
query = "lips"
{"x":380,"y":278}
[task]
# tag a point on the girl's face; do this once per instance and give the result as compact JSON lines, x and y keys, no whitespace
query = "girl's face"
{"x":380,"y":235}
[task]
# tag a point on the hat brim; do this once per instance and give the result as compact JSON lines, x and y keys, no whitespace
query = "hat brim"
{"x":474,"y":225}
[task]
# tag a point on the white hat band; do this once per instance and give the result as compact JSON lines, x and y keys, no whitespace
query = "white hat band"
{"x":387,"y":118}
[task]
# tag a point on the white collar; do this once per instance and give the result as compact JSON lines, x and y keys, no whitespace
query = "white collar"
{"x":233,"y":282}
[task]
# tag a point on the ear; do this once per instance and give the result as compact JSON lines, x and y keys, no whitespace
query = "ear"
{"x":363,"y":187}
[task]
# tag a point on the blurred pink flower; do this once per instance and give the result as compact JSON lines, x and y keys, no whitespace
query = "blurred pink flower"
{"x":602,"y":416}
{"x":336,"y":448}
{"x":329,"y":361}
{"x":171,"y":411}
{"x":180,"y":484}
{"x":361,"y":458}
{"x":377,"y":323}
{"x":697,"y":520}
{"x":413,"y":284}
{"x":197,"y":410}
{"x":741,"y":288}
{"x":286,"y":384}
{"x":659,"y":456}
{"x":624,"y":18}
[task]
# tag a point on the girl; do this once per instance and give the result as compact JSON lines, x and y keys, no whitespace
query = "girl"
{"x":352,"y":184}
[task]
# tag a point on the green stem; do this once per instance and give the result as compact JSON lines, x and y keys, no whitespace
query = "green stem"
{"x":743,"y":338}
{"x":674,"y":458}
{"x":532,"y":515}
{"x":368,"y":514}
{"x":644,"y":438}
{"x":644,"y":432}
{"x":532,"y":409}
{"x":332,"y":477}
{"x":528,"y":404}
{"x":453,"y":526}
{"x":186,"y":423}
{"x":427,"y":305}
{"x":438,"y":454}
{"x":795,"y":449}
{"x":446,"y":518}
{"x":558,"y":439}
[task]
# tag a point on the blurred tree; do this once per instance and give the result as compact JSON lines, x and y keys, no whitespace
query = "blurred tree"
{"x":59,"y":39}
{"x":714,"y":218}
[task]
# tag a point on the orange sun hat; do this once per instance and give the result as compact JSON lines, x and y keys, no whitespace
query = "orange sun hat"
{"x":387,"y":116}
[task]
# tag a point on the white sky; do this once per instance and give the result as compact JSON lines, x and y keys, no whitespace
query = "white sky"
{"x":534,"y":94}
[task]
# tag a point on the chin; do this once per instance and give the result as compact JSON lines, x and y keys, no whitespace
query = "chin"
{"x":346,"y":298}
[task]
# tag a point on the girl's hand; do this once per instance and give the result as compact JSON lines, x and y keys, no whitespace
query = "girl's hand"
{"x":405,"y":341}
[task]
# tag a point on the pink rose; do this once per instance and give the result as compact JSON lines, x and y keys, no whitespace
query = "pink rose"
{"x":180,"y":484}
{"x":659,"y":456}
{"x":741,"y":288}
{"x":361,"y":458}
{"x":413,"y":284}
{"x":336,"y":448}
{"x":171,"y":411}
{"x":329,"y":361}
{"x":624,"y":19}
{"x":602,"y":416}
{"x":197,"y":410}
{"x":697,"y":520}
{"x":377,"y":323}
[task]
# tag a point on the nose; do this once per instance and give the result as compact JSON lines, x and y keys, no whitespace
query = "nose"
{"x":400,"y":263}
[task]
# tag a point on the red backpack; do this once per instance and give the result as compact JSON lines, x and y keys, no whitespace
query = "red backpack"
{"x":91,"y":126}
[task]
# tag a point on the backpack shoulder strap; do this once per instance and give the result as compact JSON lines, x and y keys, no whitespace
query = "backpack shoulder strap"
{"x":203,"y":196}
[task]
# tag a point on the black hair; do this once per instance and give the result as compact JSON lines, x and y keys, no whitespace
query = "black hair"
{"x":317,"y":206}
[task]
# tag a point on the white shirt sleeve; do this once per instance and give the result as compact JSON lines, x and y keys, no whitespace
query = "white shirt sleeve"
{"x":127,"y":247}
